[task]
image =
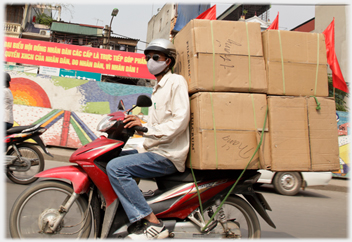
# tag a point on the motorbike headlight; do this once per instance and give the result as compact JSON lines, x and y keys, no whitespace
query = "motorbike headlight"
{"x":105,"y":124}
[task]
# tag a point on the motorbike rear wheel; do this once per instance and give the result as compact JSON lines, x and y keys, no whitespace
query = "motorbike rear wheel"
{"x":241,"y":218}
{"x":37,"y":208}
{"x":29,"y":151}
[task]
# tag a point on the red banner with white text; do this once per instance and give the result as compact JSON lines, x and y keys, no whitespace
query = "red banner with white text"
{"x":73,"y":57}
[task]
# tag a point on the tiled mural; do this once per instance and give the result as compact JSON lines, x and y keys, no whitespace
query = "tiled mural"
{"x":69,"y":108}
{"x":344,"y":143}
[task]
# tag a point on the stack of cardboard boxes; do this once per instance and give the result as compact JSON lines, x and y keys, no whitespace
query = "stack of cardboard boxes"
{"x":302,"y":119}
{"x":232,"y":73}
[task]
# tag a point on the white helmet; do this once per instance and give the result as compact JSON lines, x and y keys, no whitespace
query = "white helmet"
{"x":164,"y":46}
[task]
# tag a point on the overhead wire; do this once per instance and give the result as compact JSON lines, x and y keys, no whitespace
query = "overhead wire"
{"x":130,"y":37}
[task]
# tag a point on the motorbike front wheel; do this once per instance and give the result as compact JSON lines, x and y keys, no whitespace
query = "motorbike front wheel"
{"x":241,"y":219}
{"x":37,"y":208}
{"x":31,"y":152}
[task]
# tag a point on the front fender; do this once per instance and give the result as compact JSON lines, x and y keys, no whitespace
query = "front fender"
{"x":41,"y":144}
{"x":75,"y":174}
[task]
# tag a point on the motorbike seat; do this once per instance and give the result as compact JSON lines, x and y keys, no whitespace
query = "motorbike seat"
{"x":18,"y":129}
{"x":200,"y":175}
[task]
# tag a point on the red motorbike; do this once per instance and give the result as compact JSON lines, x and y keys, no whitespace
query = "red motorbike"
{"x":78,"y":201}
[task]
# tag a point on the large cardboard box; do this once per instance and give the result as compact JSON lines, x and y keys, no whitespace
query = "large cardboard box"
{"x":296,"y":63}
{"x":302,"y":137}
{"x":221,"y":56}
{"x":224,"y":131}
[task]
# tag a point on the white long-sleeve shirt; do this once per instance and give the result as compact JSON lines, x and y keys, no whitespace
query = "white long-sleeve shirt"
{"x":8,"y":105}
{"x":168,"y":120}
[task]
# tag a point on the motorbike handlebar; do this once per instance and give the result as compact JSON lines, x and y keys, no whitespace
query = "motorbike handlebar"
{"x":141,"y":129}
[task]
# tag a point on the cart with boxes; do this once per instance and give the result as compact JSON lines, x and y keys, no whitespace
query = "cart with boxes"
{"x":240,"y":77}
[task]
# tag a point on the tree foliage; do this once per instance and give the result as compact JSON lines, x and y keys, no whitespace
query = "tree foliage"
{"x":43,"y":18}
{"x":340,"y":96}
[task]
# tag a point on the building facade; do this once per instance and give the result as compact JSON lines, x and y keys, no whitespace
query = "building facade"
{"x":161,"y":24}
{"x":27,"y":20}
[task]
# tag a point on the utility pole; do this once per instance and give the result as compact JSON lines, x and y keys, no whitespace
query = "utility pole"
{"x":114,"y":12}
{"x":106,"y":36}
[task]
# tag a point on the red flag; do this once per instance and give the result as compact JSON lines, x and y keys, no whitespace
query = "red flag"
{"x":210,"y":14}
{"x":337,"y":78}
{"x":275,"y":24}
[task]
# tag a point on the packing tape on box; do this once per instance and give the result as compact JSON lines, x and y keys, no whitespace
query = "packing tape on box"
{"x":282,"y":65}
{"x":249,"y":61}
{"x":212,"y":42}
{"x":317,"y":71}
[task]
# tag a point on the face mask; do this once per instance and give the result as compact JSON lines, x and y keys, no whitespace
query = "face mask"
{"x":156,"y":67}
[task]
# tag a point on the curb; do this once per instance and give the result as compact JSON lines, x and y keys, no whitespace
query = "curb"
{"x":56,"y":157}
{"x":59,"y":154}
{"x":330,"y":188}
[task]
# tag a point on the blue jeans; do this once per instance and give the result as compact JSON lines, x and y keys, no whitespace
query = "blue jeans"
{"x":130,"y":164}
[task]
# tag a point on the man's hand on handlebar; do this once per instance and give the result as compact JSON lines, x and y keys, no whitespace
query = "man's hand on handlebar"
{"x":131,"y":121}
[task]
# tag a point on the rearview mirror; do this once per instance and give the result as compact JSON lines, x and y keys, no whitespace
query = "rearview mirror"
{"x":143,"y":101}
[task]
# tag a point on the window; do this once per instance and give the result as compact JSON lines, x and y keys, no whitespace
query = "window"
{"x":131,"y":48}
{"x":122,"y":48}
{"x":14,"y":13}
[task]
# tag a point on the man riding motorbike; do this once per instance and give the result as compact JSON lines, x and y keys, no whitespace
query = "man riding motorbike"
{"x":166,"y":142}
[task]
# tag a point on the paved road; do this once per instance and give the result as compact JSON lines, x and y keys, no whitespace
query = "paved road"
{"x":311,"y":213}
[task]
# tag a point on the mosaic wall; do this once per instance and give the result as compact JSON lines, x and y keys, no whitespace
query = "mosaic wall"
{"x":344,"y":143}
{"x":69,"y":108}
